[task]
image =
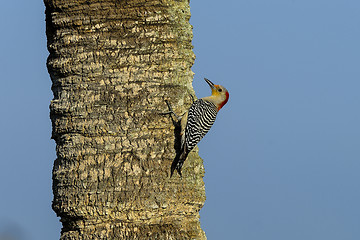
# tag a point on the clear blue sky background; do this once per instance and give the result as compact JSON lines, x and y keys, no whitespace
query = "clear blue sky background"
{"x":283,"y":159}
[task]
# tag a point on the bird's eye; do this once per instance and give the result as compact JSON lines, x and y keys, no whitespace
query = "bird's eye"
{"x":220,"y":90}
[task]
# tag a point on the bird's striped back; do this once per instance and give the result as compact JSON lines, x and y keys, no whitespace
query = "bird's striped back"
{"x":201,"y":117}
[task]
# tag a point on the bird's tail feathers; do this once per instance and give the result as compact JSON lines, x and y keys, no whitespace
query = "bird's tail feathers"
{"x":178,"y":162}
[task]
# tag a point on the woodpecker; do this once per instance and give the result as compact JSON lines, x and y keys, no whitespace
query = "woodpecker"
{"x":197,"y":122}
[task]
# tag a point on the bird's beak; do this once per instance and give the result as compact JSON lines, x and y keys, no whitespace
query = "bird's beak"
{"x":210,"y":83}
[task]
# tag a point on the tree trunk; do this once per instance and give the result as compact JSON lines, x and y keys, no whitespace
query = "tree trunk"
{"x":113,"y":63}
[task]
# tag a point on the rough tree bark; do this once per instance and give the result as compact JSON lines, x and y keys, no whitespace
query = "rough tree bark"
{"x":113,"y":63}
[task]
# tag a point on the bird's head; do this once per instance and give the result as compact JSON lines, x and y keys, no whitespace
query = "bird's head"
{"x":219,"y":94}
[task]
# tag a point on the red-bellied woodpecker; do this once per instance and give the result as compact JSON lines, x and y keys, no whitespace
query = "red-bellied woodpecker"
{"x":198,"y":121}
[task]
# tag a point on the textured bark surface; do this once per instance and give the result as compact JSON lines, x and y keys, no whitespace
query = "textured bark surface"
{"x":112,"y":64}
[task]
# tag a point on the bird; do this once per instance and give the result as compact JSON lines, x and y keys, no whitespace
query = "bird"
{"x":197,"y":121}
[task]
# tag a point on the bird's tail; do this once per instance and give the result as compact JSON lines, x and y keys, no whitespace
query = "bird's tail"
{"x":178,"y":162}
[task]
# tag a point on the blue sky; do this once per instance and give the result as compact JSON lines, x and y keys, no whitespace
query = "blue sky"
{"x":283,"y":158}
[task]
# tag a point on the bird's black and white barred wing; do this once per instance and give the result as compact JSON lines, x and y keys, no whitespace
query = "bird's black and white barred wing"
{"x":201,"y":117}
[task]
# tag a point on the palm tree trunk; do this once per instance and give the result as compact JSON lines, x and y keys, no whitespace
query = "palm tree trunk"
{"x":113,"y":63}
